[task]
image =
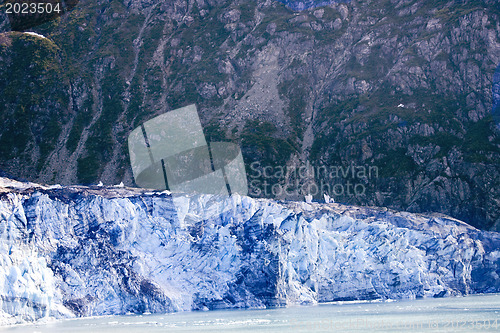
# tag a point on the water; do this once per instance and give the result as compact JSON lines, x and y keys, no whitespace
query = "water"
{"x":457,"y":314}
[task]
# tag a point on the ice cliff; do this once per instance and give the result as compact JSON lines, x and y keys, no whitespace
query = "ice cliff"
{"x":82,"y":251}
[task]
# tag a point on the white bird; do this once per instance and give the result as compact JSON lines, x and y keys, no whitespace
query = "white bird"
{"x":309,"y":198}
{"x":328,"y":199}
{"x":401,"y":106}
{"x":120,"y":185}
{"x":100,"y":184}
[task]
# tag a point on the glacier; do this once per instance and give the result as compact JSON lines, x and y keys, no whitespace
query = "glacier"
{"x":72,"y":251}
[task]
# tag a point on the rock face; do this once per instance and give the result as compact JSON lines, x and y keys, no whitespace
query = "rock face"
{"x":80,"y":251}
{"x":402,"y":86}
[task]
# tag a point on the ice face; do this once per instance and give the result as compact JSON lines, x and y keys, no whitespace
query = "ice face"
{"x":76,"y":251}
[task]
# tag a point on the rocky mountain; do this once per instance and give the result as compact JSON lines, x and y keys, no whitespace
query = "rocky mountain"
{"x":402,"y":88}
{"x":82,"y":251}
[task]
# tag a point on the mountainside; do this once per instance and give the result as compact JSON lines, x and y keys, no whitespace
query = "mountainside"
{"x":400,"y":87}
{"x":81,"y":251}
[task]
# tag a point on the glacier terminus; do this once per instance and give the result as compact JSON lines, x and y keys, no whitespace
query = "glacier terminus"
{"x":73,"y":251}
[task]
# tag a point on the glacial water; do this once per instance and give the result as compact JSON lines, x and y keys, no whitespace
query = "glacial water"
{"x":476,"y":313}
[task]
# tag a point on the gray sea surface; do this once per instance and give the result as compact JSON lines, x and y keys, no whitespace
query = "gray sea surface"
{"x":476,"y":313}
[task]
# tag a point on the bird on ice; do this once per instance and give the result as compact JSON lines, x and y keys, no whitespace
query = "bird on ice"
{"x":309,"y":198}
{"x":328,"y":199}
